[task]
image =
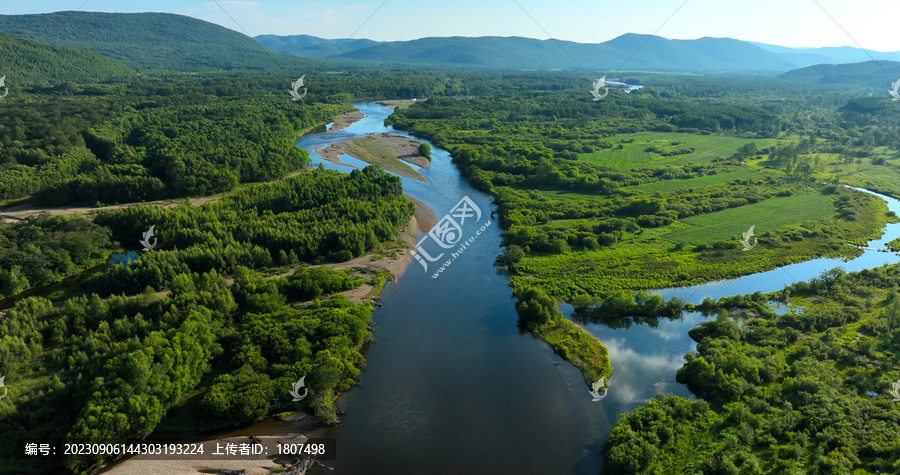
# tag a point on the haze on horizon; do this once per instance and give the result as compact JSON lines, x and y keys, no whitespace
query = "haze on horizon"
{"x":796,"y":23}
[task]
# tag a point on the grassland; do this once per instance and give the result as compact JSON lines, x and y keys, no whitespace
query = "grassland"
{"x":633,"y":153}
{"x":667,"y":256}
{"x":773,"y":214}
{"x":577,"y":346}
{"x":884,"y":178}
{"x":666,"y":186}
{"x":381,"y":150}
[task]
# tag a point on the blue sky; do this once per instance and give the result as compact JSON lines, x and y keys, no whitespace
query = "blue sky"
{"x":782,"y":22}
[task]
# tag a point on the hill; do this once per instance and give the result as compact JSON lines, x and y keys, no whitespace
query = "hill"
{"x":28,"y":61}
{"x":650,"y":53}
{"x":827,"y":55}
{"x":145,"y":41}
{"x":654,"y":53}
{"x":312,"y":46}
{"x":867,"y":74}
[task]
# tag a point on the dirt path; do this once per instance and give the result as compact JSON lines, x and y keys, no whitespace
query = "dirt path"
{"x":407,"y":152}
{"x":395,"y":259}
{"x":18,"y":213}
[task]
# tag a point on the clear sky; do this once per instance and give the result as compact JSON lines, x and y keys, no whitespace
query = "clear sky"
{"x":872,"y":23}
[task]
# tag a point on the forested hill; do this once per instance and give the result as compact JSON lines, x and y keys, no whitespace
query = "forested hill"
{"x":656,"y":53}
{"x":146,"y":41}
{"x":312,"y":46}
{"x":867,"y":73}
{"x":28,"y":61}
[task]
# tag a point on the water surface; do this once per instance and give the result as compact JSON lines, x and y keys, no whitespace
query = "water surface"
{"x":453,"y":386}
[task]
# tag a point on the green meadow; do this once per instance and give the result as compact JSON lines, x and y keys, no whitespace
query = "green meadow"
{"x":767,"y":215}
{"x":634,"y":155}
{"x":371,"y":151}
{"x":789,"y":230}
{"x":665,"y":186}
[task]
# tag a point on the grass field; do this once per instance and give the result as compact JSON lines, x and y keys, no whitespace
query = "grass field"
{"x":632,"y":155}
{"x":653,"y":258}
{"x":577,"y":346}
{"x":881,"y":178}
{"x":698,"y":182}
{"x":767,"y":215}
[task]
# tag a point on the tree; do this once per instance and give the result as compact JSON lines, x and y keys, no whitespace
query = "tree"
{"x":511,"y":257}
{"x":535,"y":307}
{"x":425,"y":150}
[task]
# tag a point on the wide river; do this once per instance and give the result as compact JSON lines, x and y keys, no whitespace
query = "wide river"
{"x":452,"y":386}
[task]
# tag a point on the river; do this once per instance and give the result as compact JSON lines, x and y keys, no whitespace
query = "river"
{"x":452,"y":385}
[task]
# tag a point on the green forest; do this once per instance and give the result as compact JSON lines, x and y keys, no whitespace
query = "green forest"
{"x":629,"y":196}
{"x":121,"y":355}
{"x":599,"y":203}
{"x":804,"y":391}
{"x":149,"y":139}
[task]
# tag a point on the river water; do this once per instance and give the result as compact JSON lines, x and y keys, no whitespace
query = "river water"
{"x":453,"y":386}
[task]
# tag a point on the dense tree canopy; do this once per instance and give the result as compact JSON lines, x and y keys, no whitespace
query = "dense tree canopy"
{"x":801,"y":392}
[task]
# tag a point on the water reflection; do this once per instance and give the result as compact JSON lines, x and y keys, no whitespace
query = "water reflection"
{"x":452,"y":385}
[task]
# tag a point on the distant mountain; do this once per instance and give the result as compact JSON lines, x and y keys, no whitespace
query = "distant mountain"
{"x":163,"y":41}
{"x":494,"y":52}
{"x":731,"y":51}
{"x":145,"y":41}
{"x":828,"y":55}
{"x":867,"y":74}
{"x":29,"y":61}
{"x":646,"y":52}
{"x":311,"y":46}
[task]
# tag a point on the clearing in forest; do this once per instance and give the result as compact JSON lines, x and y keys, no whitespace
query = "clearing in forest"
{"x":766,"y":215}
{"x":635,"y":154}
{"x":667,"y":186}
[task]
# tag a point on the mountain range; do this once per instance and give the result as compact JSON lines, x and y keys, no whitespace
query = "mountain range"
{"x":629,"y":52}
{"x":162,"y":41}
{"x":870,"y":73}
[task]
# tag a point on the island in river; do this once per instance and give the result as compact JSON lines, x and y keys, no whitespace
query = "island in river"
{"x":384,"y":150}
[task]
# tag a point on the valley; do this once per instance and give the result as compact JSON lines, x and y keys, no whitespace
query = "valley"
{"x":467,"y":263}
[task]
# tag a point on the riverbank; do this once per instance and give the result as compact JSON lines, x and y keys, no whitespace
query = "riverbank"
{"x":384,"y":150}
{"x":540,"y":313}
{"x":394,"y":104}
{"x":284,"y":430}
{"x":577,"y":346}
{"x":345,"y":120}
{"x":19,"y":213}
{"x":706,"y":247}
{"x":394,"y":259}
